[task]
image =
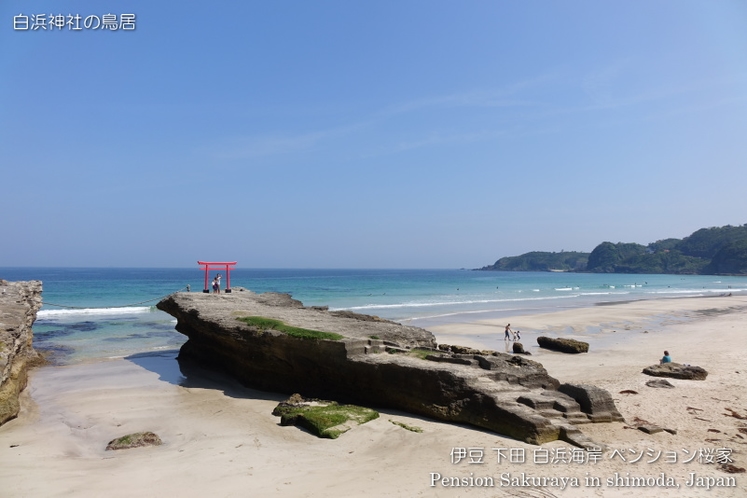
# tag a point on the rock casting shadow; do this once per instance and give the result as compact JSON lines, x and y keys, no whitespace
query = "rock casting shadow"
{"x":186,"y":373}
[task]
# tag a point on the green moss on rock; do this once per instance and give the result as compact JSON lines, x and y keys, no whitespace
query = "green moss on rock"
{"x":324,"y":419}
{"x":410,"y":428}
{"x":263,"y":323}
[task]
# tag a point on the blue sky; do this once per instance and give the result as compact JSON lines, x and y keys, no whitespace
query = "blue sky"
{"x":415,"y":134}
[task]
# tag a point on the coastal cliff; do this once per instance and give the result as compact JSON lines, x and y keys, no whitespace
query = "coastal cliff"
{"x":375,"y":362}
{"x":19,"y":302}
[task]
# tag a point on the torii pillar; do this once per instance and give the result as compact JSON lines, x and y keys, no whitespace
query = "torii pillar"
{"x":214,"y":265}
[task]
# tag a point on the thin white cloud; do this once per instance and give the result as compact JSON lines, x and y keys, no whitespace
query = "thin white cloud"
{"x":282,"y":143}
{"x":500,"y":97}
{"x":277,"y":143}
{"x":603,"y":86}
{"x":435,"y":139}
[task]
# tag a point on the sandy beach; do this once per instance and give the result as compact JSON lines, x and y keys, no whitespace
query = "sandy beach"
{"x":221,"y":439}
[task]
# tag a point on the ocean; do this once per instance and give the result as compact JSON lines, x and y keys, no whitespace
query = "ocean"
{"x":92,"y":314}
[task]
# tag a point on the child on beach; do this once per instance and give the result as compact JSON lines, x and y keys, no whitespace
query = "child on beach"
{"x":666,"y":358}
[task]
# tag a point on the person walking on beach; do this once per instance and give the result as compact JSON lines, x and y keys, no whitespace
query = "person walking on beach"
{"x":509,"y":333}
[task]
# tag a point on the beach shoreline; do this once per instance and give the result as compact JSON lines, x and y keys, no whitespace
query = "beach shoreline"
{"x":221,"y":438}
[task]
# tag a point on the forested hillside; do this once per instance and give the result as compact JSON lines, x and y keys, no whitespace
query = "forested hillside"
{"x":716,"y":250}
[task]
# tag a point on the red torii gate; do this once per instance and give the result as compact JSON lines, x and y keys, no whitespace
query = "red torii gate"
{"x":213,"y":265}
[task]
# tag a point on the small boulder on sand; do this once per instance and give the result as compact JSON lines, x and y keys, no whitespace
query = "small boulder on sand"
{"x":135,"y":440}
{"x":676,"y":371}
{"x":571,"y":346}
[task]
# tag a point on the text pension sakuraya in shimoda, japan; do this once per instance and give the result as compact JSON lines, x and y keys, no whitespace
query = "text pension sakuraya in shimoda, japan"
{"x":74,"y":22}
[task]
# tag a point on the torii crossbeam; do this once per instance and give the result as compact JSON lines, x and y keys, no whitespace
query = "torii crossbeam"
{"x":216,"y":265}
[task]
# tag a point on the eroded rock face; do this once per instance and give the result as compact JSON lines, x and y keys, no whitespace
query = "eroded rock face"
{"x":375,"y":364}
{"x":676,"y":371}
{"x":594,"y":401}
{"x":563,"y":345}
{"x":19,"y":302}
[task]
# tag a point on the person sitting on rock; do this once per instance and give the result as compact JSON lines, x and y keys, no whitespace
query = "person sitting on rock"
{"x":666,"y":358}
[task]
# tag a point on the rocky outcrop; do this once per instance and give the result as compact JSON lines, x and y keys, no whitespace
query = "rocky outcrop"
{"x":563,"y":345}
{"x":676,"y":371}
{"x":375,"y":363}
{"x":594,"y":401}
{"x":19,"y":302}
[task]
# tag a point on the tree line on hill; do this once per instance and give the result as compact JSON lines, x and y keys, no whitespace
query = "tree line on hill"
{"x":708,"y":251}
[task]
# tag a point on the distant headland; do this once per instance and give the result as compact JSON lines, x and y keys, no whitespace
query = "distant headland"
{"x":708,"y":251}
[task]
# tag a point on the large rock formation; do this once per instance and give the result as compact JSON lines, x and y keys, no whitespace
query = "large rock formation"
{"x":380,"y":363}
{"x":19,"y":302}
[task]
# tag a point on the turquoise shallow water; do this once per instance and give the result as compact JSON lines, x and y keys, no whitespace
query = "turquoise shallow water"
{"x":98,"y":328}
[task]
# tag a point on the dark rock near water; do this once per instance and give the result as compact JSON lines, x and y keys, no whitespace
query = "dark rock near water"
{"x":450,"y":383}
{"x":563,"y":345}
{"x":54,"y":354}
{"x":19,"y":302}
{"x":86,"y":326}
{"x":519,"y":349}
{"x":48,"y":335}
{"x":676,"y":371}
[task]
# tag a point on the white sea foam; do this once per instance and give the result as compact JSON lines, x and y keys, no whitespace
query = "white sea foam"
{"x":449,"y":303}
{"x":693,"y":291}
{"x":68,"y":313}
